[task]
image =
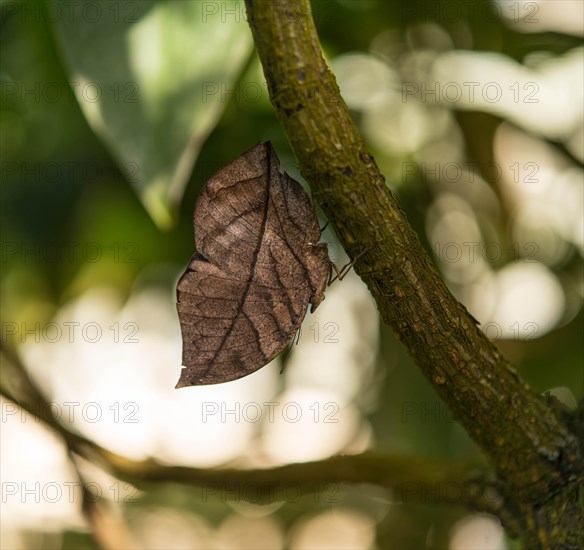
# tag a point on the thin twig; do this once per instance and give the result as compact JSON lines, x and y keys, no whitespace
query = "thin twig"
{"x":410,"y":479}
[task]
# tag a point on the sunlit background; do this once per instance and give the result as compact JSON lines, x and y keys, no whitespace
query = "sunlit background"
{"x":473,"y":111}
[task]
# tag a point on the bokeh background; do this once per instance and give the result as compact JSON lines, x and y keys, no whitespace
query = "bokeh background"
{"x":114,"y":114}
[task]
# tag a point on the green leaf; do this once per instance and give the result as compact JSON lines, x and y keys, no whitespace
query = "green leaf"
{"x":152,"y":79}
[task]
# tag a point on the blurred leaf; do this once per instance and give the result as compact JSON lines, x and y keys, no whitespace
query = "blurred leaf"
{"x":152,"y":79}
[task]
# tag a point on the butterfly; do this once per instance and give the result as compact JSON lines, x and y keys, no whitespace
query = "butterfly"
{"x":257,"y":268}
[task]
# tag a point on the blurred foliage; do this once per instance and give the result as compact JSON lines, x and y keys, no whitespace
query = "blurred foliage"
{"x":63,"y":198}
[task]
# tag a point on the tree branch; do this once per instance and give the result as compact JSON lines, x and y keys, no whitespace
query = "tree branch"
{"x":16,"y":385}
{"x":531,"y":449}
{"x":410,"y":479}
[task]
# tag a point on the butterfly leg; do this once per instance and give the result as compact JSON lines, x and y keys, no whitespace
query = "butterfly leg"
{"x":341,"y":273}
{"x":288,"y":351}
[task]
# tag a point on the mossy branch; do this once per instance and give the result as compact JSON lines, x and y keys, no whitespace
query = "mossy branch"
{"x":533,"y":452}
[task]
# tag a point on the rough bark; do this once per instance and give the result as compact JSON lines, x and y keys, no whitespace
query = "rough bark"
{"x":537,"y":458}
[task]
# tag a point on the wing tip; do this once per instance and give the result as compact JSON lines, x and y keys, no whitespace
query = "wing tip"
{"x":183,"y":382}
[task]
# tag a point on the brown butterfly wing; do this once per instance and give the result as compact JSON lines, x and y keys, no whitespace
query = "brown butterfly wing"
{"x":231,"y":328}
{"x":258,"y":266}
